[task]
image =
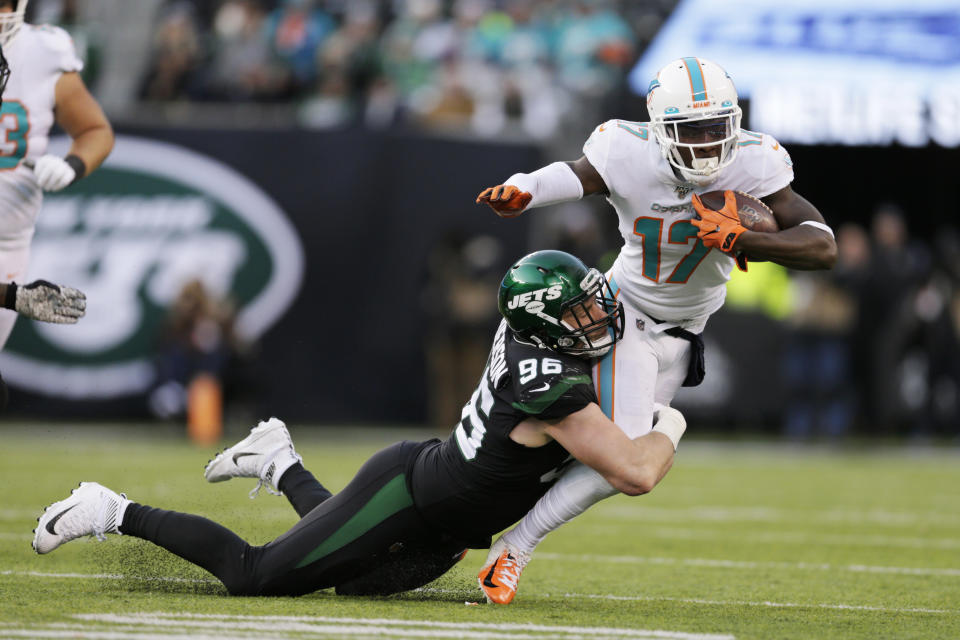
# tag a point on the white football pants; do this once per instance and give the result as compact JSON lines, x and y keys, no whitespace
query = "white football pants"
{"x":644,"y":367}
{"x":13,"y":267}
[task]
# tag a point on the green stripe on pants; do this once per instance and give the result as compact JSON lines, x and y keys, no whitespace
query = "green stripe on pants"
{"x":393,"y":497}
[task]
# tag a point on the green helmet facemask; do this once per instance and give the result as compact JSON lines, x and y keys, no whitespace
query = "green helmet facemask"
{"x":551,"y":299}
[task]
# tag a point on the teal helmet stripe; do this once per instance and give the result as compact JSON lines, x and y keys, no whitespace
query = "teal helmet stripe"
{"x":697,"y":85}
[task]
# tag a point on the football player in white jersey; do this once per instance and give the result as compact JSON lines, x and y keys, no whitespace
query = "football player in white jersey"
{"x":44,"y":87}
{"x":675,"y":261}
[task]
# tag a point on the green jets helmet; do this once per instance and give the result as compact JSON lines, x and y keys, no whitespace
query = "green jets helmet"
{"x":551,"y":299}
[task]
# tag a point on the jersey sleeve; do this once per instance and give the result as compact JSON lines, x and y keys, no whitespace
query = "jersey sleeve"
{"x":597,"y":149}
{"x":550,"y":388}
{"x":617,"y":149}
{"x":767,"y":163}
{"x":59,"y":47}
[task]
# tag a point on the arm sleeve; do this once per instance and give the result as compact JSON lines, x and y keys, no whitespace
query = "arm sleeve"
{"x":552,"y":184}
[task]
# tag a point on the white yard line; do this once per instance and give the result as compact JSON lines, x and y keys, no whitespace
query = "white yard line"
{"x":625,"y":632}
{"x":20,"y":514}
{"x":107,"y":576}
{"x":721,"y":603}
{"x":79,"y":631}
{"x":774,"y":537}
{"x":732,"y":603}
{"x":162,"y":625}
{"x":741,"y":564}
{"x":748,"y":603}
{"x":10,"y":535}
{"x":720,"y":513}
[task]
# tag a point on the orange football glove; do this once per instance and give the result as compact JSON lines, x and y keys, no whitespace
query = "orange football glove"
{"x":718,"y":229}
{"x":505,"y":199}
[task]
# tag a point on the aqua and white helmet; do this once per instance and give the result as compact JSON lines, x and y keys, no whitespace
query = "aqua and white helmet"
{"x":693,"y":107}
{"x":10,"y":23}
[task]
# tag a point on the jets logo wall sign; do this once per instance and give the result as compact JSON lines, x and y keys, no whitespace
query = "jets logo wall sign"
{"x":130,"y":236}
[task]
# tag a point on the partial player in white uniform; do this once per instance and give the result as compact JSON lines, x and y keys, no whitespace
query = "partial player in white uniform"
{"x":44,"y":87}
{"x":39,"y":300}
{"x":675,"y":261}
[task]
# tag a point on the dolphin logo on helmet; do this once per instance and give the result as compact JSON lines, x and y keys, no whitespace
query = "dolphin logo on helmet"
{"x":696,"y":118}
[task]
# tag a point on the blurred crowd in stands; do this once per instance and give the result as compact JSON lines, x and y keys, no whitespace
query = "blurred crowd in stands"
{"x":481,"y":65}
{"x":875,"y":343}
{"x":872,"y":346}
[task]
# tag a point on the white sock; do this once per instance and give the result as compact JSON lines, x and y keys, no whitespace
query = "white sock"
{"x":121,"y":510}
{"x":576,"y":490}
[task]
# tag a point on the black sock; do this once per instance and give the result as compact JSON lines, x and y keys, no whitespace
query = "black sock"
{"x":302,"y":489}
{"x":198,"y":540}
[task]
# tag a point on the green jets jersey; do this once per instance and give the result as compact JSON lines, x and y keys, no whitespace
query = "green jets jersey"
{"x":479,"y":481}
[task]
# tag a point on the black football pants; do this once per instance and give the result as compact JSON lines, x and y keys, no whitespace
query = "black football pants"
{"x":369,"y":539}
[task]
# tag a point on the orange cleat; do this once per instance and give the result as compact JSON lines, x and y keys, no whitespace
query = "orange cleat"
{"x":498,"y":580}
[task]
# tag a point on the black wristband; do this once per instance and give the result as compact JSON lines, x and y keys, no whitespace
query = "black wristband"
{"x":10,"y":299}
{"x":78,"y":166}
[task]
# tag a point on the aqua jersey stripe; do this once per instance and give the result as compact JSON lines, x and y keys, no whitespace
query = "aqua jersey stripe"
{"x":605,"y":368}
{"x":698,"y":86}
{"x":390,"y":499}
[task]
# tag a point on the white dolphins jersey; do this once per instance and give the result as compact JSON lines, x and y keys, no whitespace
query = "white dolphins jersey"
{"x":38,"y":56}
{"x":663,"y":269}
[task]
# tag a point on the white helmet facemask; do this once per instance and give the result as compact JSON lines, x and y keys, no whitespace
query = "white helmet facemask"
{"x":695,"y":117}
{"x":10,"y":23}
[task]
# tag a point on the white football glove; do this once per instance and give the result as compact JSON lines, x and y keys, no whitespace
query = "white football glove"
{"x":53,"y":173}
{"x":48,"y":302}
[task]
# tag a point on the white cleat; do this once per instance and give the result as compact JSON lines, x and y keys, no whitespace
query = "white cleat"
{"x":91,"y":510}
{"x":265,"y":454}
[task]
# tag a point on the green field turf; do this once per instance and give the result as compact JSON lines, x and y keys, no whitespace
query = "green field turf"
{"x":741,"y":540}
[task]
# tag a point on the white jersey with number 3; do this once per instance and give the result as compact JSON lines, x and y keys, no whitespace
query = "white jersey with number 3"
{"x":663,"y":268}
{"x":38,"y":56}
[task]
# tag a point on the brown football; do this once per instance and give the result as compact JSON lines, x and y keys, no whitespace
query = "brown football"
{"x":754,"y":214}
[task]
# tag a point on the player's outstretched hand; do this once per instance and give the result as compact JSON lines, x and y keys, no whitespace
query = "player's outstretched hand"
{"x":48,"y":302}
{"x":718,"y":229}
{"x":505,"y":199}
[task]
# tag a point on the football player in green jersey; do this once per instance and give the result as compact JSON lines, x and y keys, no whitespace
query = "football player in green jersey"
{"x":414,"y":508}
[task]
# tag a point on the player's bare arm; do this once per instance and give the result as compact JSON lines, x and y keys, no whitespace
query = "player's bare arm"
{"x":797,"y":246}
{"x":553,"y":184}
{"x":589,"y":177}
{"x":804,"y":242}
{"x":633,"y":467}
{"x":79,"y":114}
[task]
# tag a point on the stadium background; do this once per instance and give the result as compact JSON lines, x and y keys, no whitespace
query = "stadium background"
{"x":314,"y":166}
